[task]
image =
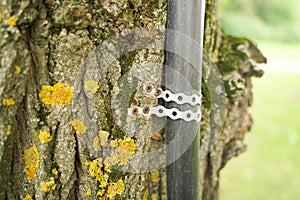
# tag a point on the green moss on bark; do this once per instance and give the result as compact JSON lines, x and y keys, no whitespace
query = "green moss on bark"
{"x":229,"y":55}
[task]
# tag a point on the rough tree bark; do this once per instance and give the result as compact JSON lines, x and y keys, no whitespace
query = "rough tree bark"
{"x":49,"y":145}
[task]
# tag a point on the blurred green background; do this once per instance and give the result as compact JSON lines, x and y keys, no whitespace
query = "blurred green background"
{"x":270,"y":168}
{"x":264,"y":20}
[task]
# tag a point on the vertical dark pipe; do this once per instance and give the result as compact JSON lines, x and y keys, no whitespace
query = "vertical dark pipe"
{"x":182,"y":73}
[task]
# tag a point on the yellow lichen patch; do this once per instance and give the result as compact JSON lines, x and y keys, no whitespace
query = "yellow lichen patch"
{"x":8,"y":129}
{"x":116,"y":89}
{"x":154,"y":197}
{"x":49,"y":185}
{"x":12,"y":21}
{"x":32,"y":162}
{"x":8,"y":101}
{"x":54,"y":171}
{"x":103,"y":136}
{"x":89,"y":192}
{"x":127,"y":145}
{"x":100,"y":170}
{"x":104,"y":181}
{"x":101,"y":139}
{"x":122,"y":154}
{"x":0,"y":16}
{"x":91,"y":86}
{"x":8,"y":76}
{"x":96,"y":143}
{"x":102,"y":102}
{"x":145,"y":196}
{"x":114,"y":143}
{"x":155,"y":176}
{"x":125,"y":150}
{"x":58,"y":94}
{"x":18,"y":69}
{"x":46,"y":93}
{"x":115,"y":188}
{"x":45,"y":137}
{"x":95,"y":169}
{"x":100,"y":192}
{"x":107,"y":164}
{"x":79,"y":126}
{"x":27,"y":198}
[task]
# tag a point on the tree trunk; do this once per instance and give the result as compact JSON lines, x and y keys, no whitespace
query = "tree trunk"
{"x":69,"y":72}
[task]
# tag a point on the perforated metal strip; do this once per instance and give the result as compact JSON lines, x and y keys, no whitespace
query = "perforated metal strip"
{"x":161,"y":111}
{"x":167,"y":95}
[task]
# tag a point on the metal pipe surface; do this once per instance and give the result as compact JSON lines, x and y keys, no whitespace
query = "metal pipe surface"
{"x":182,"y":73}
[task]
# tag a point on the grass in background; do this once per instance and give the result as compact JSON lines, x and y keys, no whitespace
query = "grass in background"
{"x":270,"y":168}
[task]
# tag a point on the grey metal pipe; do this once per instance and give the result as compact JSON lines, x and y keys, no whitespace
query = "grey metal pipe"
{"x":182,"y":73}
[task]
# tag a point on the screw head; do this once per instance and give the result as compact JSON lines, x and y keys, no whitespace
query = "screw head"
{"x":149,"y":88}
{"x":135,"y":111}
{"x":146,"y":110}
{"x":158,"y":92}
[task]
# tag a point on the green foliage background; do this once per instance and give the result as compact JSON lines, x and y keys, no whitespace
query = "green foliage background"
{"x":262,"y":20}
